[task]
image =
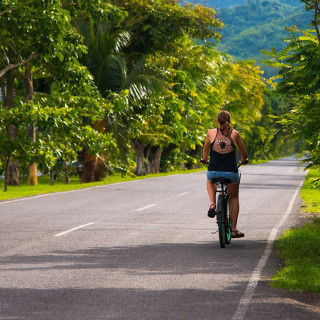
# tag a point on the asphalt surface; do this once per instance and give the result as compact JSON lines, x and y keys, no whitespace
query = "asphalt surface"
{"x":145,"y":250}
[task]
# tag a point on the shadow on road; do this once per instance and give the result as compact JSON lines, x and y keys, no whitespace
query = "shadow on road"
{"x":137,"y":304}
{"x":162,"y":258}
{"x":111,"y":300}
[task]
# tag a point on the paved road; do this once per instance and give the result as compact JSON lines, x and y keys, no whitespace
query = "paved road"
{"x":144,"y":250}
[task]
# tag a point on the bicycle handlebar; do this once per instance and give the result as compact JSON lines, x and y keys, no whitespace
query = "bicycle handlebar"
{"x":204,"y":161}
{"x":243,"y":163}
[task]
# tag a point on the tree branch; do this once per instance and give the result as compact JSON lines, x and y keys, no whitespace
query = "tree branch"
{"x":315,"y":22}
{"x":15,"y":8}
{"x":21,"y":63}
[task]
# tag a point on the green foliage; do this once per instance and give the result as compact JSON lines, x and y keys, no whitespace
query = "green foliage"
{"x":61,"y":133}
{"x":158,"y":23}
{"x":123,"y":78}
{"x":37,"y":29}
{"x":300,"y":74}
{"x":41,"y":38}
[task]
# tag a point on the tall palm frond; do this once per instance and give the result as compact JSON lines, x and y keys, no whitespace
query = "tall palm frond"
{"x":105,"y":59}
{"x":114,"y":69}
{"x":143,"y":81}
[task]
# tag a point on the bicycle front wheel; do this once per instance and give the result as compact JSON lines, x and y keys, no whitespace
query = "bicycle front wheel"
{"x":221,"y":221}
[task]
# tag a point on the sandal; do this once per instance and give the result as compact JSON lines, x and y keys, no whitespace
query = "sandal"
{"x":237,"y":234}
{"x":212,"y":211}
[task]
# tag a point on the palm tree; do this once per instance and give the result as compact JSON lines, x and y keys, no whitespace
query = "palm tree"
{"x":116,"y":68}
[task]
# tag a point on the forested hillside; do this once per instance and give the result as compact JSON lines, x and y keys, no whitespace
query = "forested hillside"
{"x":229,"y":3}
{"x":259,"y":25}
{"x":252,"y":25}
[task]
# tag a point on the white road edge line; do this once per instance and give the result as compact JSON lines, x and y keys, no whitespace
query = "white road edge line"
{"x":183,"y":194}
{"x":73,"y":229}
{"x":146,"y":207}
{"x":255,"y":277}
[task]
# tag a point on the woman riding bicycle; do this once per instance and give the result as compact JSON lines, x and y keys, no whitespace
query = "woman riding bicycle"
{"x":222,"y":143}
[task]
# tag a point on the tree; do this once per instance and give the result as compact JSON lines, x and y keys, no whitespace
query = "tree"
{"x":114,"y":71}
{"x":156,"y":24}
{"x":40,"y":40}
{"x":32,"y":34}
{"x":300,"y":77}
{"x":117,"y":57}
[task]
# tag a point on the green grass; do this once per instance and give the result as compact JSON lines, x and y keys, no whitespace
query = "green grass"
{"x":311,"y":196}
{"x":44,"y":184}
{"x":300,"y":247}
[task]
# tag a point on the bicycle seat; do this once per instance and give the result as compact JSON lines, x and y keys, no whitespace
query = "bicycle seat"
{"x":221,"y":180}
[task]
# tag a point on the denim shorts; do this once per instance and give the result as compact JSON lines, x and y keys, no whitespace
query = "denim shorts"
{"x":233,"y":176}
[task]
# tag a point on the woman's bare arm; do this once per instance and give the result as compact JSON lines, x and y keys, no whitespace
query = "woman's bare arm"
{"x":206,"y":147}
{"x":237,"y":139}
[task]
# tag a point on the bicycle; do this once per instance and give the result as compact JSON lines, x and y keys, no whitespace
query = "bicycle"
{"x":222,"y":208}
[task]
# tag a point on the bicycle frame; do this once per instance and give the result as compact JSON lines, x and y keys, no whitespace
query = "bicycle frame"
{"x":222,"y":213}
{"x":222,"y":208}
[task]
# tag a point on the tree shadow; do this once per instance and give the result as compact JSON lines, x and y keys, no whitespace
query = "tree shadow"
{"x":161,"y":258}
{"x":143,"y":304}
{"x":115,"y":301}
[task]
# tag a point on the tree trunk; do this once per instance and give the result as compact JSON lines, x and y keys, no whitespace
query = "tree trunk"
{"x":32,"y":175}
{"x":66,"y":170}
{"x":89,"y":167}
{"x":32,"y":169}
{"x":183,"y":164}
{"x":13,"y":174}
{"x":31,"y":130}
{"x":140,"y":169}
{"x":93,"y":167}
{"x":147,"y":159}
{"x":5,"y":173}
{"x":51,"y":176}
{"x":154,"y":157}
{"x":3,"y":92}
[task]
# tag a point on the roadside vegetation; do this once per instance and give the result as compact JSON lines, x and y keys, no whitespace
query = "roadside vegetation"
{"x":115,"y":87}
{"x":310,"y":193}
{"x":300,"y":250}
{"x":300,"y":247}
{"x":298,"y":80}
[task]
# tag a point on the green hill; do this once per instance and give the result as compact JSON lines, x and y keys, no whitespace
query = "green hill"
{"x":258,"y":24}
{"x":229,"y":3}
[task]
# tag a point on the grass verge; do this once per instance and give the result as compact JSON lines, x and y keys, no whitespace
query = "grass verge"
{"x":44,"y":184}
{"x":300,"y":247}
{"x":310,"y":195}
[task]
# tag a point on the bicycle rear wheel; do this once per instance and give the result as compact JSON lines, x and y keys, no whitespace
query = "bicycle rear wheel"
{"x":227,"y":219}
{"x":221,"y":221}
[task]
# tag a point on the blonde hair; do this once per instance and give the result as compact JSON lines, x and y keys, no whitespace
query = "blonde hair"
{"x":224,"y":119}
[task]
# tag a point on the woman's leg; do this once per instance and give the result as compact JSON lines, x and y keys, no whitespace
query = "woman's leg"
{"x":233,"y":191}
{"x":212,"y":189}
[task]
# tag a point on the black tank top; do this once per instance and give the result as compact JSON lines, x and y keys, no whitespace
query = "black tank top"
{"x":223,"y":154}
